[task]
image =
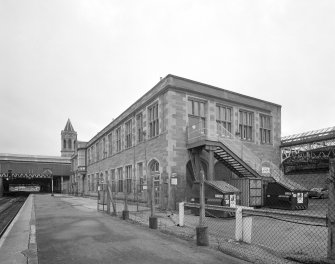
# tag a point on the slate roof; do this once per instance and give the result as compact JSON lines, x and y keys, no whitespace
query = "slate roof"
{"x":68,"y":126}
{"x":222,"y":186}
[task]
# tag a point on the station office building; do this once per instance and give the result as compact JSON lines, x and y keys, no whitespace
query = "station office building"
{"x":151,"y":141}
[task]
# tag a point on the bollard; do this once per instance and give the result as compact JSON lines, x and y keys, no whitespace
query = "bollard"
{"x":125,"y":215}
{"x":153,"y":222}
{"x":202,"y":235}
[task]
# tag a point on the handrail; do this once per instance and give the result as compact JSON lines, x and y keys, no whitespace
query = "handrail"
{"x":264,"y":212}
{"x":197,"y":132}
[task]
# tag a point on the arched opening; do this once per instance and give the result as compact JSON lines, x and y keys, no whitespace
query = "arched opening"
{"x":70,"y":144}
{"x":64,"y":144}
{"x":155,"y":176}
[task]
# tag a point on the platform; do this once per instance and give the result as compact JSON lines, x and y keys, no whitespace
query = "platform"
{"x":70,"y":230}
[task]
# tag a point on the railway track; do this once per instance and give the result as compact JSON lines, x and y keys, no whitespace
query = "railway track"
{"x":9,"y":207}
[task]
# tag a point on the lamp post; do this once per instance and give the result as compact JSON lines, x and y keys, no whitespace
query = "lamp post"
{"x":153,"y":219}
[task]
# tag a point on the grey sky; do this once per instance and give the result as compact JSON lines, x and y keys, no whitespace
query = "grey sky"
{"x":90,"y":60}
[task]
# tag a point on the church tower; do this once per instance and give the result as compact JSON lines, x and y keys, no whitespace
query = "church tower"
{"x":69,"y":140}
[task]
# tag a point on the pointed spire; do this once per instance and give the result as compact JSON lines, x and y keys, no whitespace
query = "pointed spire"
{"x":69,"y":126}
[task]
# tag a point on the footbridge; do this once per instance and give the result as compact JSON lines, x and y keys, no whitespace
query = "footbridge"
{"x":308,"y":151}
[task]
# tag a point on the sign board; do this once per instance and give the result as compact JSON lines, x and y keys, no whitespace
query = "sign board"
{"x":232,"y":201}
{"x":99,"y":188}
{"x":300,"y":198}
{"x":145,"y":187}
{"x":265,"y":170}
{"x":218,"y":196}
{"x":174,"y":181}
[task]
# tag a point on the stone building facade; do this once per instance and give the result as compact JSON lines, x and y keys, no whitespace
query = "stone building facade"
{"x":151,"y":139}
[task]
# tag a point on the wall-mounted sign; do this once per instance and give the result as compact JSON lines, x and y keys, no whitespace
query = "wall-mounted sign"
{"x":232,"y":199}
{"x":265,"y":170}
{"x":145,"y":187}
{"x":218,"y":196}
{"x":174,"y":181}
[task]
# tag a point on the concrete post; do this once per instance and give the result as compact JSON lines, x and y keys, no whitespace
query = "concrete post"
{"x":243,"y":225}
{"x":202,"y":230}
{"x":238,"y":224}
{"x":181,"y":214}
{"x":331,"y":212}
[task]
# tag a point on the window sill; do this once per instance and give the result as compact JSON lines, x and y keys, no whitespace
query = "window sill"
{"x":267,"y":144}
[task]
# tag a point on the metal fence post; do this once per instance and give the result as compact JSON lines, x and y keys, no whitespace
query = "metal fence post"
{"x":125,"y":212}
{"x":331,"y":211}
{"x":108,"y":199}
{"x":202,"y":230}
{"x":153,"y":219}
{"x":98,"y":199}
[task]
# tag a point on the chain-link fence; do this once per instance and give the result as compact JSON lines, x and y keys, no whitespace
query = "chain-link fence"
{"x":290,"y":226}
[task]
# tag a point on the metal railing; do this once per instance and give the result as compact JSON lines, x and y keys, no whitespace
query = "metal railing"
{"x":198,"y":132}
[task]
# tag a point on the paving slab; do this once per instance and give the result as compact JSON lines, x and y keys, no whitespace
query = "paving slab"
{"x":72,"y":231}
{"x":14,"y":245}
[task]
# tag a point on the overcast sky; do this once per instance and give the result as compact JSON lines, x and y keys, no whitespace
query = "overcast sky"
{"x":90,"y":60}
